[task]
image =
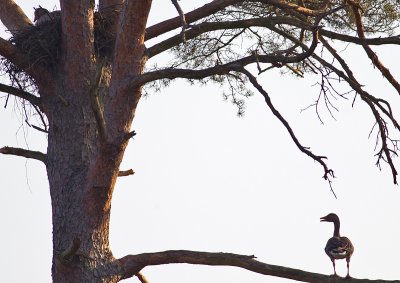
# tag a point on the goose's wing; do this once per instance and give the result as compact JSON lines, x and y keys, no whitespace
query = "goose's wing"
{"x":339,"y":247}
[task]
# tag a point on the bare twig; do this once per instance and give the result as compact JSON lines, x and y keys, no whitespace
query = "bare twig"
{"x":126,"y":173}
{"x":39,"y":129}
{"x":130,"y":135}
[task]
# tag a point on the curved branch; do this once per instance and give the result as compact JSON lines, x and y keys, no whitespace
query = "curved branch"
{"x":12,"y":16}
{"x":21,"y":94}
{"x":132,"y":264}
{"x":24,"y":153}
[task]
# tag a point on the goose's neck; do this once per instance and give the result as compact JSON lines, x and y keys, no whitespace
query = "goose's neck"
{"x":336,"y":232}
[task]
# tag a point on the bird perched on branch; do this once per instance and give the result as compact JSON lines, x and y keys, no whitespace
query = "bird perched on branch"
{"x":43,"y":15}
{"x":338,"y":247}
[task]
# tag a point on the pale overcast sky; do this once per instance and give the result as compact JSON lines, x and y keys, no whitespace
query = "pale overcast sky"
{"x":208,"y":180}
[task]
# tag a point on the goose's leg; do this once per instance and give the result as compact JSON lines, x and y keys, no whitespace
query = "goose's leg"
{"x":334,"y":267}
{"x":348,"y":268}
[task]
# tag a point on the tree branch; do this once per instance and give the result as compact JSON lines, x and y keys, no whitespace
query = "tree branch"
{"x":319,"y":159}
{"x":182,"y":16}
{"x":197,"y":14}
{"x":126,"y":173}
{"x":172,"y":73}
{"x":141,"y":278}
{"x":267,"y":22}
{"x":13,"y":54}
{"x":21,"y":94}
{"x":13,"y":17}
{"x":24,"y":153}
{"x":19,"y":59}
{"x":371,"y":54}
{"x":285,"y":5}
{"x":372,"y":102}
{"x":132,"y":264}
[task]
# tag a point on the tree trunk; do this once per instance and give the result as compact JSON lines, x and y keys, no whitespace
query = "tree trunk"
{"x":80,"y":198}
{"x":84,"y":152}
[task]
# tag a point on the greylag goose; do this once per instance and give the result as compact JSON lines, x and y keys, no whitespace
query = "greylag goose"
{"x":338,"y":247}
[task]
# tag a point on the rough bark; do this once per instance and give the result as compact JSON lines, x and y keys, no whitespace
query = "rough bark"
{"x":82,"y":168}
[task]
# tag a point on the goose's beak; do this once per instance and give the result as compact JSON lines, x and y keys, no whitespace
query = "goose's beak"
{"x":323,"y":219}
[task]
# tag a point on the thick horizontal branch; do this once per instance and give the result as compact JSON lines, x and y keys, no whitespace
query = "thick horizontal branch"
{"x":21,"y":94}
{"x":132,"y":264}
{"x":24,"y":153}
{"x":197,"y":14}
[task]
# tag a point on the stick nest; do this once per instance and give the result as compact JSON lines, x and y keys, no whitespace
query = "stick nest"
{"x":42,"y":43}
